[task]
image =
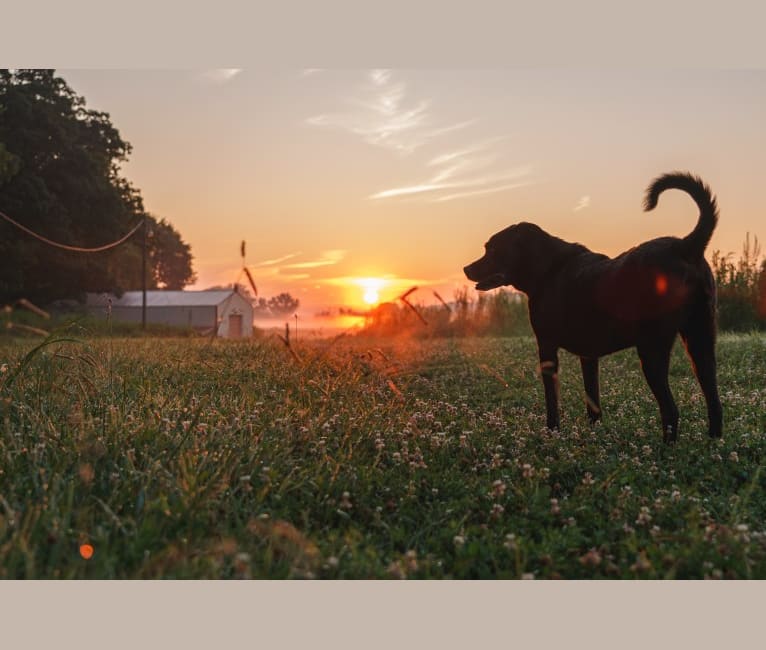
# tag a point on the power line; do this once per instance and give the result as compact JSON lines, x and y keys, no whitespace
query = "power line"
{"x":75,"y":249}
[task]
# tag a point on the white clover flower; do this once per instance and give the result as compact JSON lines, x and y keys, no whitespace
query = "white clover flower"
{"x":644,"y":517}
{"x":642,"y":563}
{"x":592,"y":558}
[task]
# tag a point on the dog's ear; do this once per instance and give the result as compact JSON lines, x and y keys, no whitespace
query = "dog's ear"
{"x":530,"y":253}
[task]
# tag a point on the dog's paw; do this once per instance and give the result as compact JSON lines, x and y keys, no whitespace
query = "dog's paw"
{"x":669,"y":436}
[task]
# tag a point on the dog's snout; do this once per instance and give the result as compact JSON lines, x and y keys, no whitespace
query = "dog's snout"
{"x":470,"y":271}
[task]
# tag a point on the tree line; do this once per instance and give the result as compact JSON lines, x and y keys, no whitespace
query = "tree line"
{"x":60,"y":176}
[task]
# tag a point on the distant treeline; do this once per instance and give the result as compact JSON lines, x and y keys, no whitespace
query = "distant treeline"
{"x":500,"y":313}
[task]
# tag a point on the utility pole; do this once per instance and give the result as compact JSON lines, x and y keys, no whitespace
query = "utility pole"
{"x":143,"y":276}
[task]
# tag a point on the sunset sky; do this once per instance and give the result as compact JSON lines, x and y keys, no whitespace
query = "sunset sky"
{"x":400,"y":176}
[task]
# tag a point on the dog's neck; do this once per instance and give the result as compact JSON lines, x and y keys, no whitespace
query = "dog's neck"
{"x":553,"y":256}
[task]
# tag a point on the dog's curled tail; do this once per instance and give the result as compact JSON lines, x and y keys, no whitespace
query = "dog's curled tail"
{"x":697,"y":240}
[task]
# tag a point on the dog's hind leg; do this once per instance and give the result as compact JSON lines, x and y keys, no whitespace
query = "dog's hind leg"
{"x":590,"y":379}
{"x":655,"y":362}
{"x":698,"y":336}
{"x":549,"y":369}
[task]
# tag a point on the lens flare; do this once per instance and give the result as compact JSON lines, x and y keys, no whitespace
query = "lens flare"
{"x":661,"y":284}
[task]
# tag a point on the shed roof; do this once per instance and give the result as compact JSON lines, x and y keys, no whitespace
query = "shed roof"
{"x":163,"y":298}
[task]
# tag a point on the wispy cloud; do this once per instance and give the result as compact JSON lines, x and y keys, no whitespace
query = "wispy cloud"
{"x":449,"y":129}
{"x":465,"y":152}
{"x":413,"y":189}
{"x":277,"y":260}
{"x":583,"y":203}
{"x":484,"y":184}
{"x":486,"y":190}
{"x":327,"y":258}
{"x":221,"y":75}
{"x":385,"y":113}
{"x":294,"y":276}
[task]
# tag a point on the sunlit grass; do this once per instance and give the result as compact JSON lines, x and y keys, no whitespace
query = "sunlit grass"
{"x":363,"y":458}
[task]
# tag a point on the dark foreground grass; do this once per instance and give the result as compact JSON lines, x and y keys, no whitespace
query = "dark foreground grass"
{"x":369,"y":459}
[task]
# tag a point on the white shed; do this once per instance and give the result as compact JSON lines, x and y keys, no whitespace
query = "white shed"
{"x":228,"y":312}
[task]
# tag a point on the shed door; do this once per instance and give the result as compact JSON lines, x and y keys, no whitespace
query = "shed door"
{"x":235,"y":326}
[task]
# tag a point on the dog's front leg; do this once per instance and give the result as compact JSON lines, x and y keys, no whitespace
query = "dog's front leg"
{"x":549,"y":369}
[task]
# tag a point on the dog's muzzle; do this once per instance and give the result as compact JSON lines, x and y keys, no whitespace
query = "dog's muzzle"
{"x":491,"y":282}
{"x":483,"y":281}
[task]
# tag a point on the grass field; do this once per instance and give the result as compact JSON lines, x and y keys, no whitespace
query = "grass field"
{"x":360,"y":458}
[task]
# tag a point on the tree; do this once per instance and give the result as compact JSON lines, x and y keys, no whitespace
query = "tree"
{"x":261,"y":308}
{"x":171,"y":258}
{"x":60,"y":176}
{"x":283,"y":304}
{"x":9,"y":164}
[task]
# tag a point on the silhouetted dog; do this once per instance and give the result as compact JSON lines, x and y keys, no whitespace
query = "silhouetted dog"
{"x":592,"y":305}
